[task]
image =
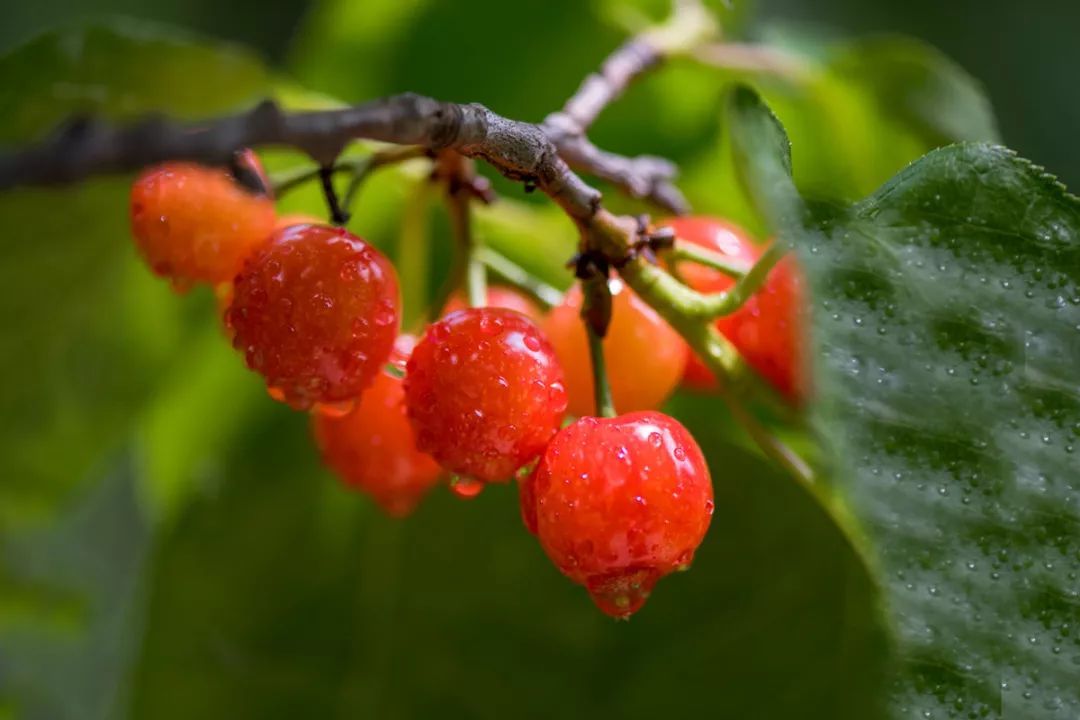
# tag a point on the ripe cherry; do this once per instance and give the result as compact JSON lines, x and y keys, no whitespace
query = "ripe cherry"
{"x":372,"y":447}
{"x":497,"y":296}
{"x":620,"y":503}
{"x":315,"y":311}
{"x":197,"y":224}
{"x":644,"y":356}
{"x":768,"y":330}
{"x":485,"y":392}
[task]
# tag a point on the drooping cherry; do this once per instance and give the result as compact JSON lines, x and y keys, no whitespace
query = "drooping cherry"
{"x":372,"y":447}
{"x":315,"y":311}
{"x":619,"y":503}
{"x":484,"y":392}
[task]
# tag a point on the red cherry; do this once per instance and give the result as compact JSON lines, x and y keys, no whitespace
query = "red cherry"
{"x":620,"y":503}
{"x":497,"y":296}
{"x":315,"y":311}
{"x":644,"y":355}
{"x":485,"y":392}
{"x":372,"y":448}
{"x":527,"y":500}
{"x":197,"y":224}
{"x":768,"y":330}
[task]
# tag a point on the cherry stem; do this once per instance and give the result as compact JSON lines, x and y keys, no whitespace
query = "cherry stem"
{"x":338,"y":216}
{"x":771,"y":445}
{"x":596,"y":317}
{"x":519,"y":277}
{"x":605,"y":405}
{"x":687,"y":252}
{"x":459,"y":173}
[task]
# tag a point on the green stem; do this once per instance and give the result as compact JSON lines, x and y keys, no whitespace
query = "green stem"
{"x":364,"y":167}
{"x":732,"y":300}
{"x":771,"y":445}
{"x":519,"y":277}
{"x":656,"y":287}
{"x":413,"y":258}
{"x":476,"y":280}
{"x":688,"y":252}
{"x":605,"y":406}
{"x":293,"y":178}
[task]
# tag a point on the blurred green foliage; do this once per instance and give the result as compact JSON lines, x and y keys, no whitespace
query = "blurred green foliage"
{"x":171,"y":547}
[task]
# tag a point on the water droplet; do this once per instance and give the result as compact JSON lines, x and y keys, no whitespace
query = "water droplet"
{"x":656,"y":439}
{"x":532,"y":342}
{"x":465,"y":487}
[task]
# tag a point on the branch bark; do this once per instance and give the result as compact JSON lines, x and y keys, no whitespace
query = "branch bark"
{"x":521,"y":151}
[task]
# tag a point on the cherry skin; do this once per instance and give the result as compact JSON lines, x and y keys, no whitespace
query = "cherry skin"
{"x":768,"y":330}
{"x":497,"y":296}
{"x":620,"y":503}
{"x":197,"y":224}
{"x":315,"y":311}
{"x":484,"y":392}
{"x":372,"y":448}
{"x":644,"y":355}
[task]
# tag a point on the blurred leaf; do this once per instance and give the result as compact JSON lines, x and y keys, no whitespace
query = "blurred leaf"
{"x":864,"y":110}
{"x":125,"y":69}
{"x":286,"y":595}
{"x":96,"y":330}
{"x":80,"y":580}
{"x":916,"y":84}
{"x":947,"y":328}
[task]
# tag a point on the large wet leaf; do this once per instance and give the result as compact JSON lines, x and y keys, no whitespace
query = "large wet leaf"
{"x":947,"y":330}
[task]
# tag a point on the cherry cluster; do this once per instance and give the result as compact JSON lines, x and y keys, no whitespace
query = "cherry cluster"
{"x":482,"y":394}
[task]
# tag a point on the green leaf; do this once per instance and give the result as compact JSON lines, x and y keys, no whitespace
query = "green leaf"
{"x":946,"y":321}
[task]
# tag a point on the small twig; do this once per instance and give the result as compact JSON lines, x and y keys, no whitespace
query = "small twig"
{"x":288,"y":180}
{"x":363,"y":168}
{"x":520,"y":278}
{"x":753,"y":58}
{"x":645,"y":177}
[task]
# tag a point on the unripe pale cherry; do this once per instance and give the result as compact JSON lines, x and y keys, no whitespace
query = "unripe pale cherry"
{"x":618,"y":503}
{"x":315,"y":311}
{"x":644,"y":355}
{"x":484,"y":392}
{"x":197,"y":224}
{"x":372,"y":447}
{"x":497,"y":296}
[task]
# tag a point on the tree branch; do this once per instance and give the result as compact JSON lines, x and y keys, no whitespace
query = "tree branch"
{"x":645,"y":177}
{"x":520,"y":151}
